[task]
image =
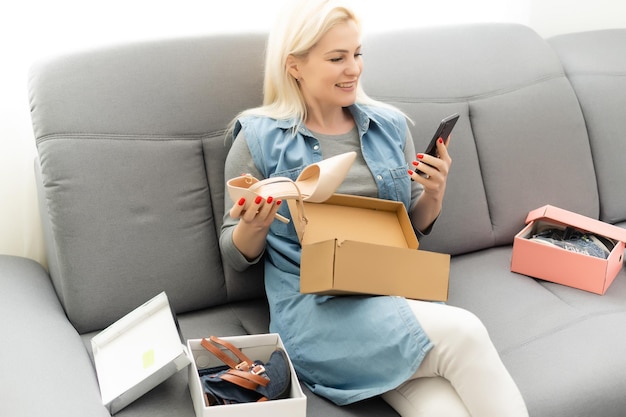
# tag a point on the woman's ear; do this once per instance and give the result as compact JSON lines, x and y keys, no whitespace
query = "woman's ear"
{"x":292,"y":67}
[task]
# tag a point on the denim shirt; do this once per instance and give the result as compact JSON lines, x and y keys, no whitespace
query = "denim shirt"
{"x":329,"y":338}
{"x":277,"y":152}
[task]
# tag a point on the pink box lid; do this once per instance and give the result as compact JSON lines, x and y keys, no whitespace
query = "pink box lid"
{"x":578,"y":221}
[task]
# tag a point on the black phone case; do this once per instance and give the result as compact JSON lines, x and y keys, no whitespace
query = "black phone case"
{"x":443,"y":131}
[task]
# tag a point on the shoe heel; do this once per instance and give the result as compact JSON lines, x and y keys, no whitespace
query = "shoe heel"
{"x":319,"y":181}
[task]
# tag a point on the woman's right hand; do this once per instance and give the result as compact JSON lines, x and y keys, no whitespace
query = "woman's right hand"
{"x":254,"y":223}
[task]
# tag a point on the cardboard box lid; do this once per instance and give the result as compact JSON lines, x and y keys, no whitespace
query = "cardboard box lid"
{"x":578,"y":221}
{"x":363,"y":219}
{"x":138,"y":352}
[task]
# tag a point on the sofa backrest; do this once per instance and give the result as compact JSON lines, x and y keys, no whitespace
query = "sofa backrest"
{"x":521,"y":142}
{"x":131,"y":150}
{"x":595,"y":63}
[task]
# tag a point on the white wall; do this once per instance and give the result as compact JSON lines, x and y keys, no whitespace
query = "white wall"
{"x":33,"y":29}
{"x":554,"y":17}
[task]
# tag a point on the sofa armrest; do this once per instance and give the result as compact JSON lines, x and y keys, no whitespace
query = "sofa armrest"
{"x":45,"y":367}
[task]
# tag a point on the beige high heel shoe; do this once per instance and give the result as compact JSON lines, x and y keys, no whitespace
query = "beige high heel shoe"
{"x":316,"y":183}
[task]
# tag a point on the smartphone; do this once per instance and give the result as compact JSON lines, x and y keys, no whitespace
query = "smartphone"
{"x":443,"y":131}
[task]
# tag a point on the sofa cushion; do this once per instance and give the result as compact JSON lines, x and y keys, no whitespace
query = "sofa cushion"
{"x":562,"y":346}
{"x":169,"y":87}
{"x":128,"y":222}
{"x":131,"y":146}
{"x":45,"y":368}
{"x":595,"y":64}
{"x":518,"y":110}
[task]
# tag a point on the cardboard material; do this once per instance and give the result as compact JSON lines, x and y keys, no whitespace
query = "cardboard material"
{"x":256,"y":347}
{"x":137,"y":353}
{"x":558,"y":265}
{"x":361,"y":245}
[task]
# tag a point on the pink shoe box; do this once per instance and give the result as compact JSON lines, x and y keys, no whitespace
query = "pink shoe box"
{"x":561,"y":266}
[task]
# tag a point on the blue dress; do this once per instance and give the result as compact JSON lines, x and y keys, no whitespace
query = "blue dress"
{"x":343,"y":348}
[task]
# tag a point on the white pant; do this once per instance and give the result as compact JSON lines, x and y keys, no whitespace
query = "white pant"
{"x":462,"y":375}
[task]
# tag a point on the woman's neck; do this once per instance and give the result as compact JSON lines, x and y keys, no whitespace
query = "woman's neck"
{"x":330,"y":123}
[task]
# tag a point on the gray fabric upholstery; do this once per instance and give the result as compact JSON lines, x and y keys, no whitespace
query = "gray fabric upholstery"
{"x":517,"y":107}
{"x":130,"y":175}
{"x":595,"y":63}
{"x":169,"y":87}
{"x":136,"y":221}
{"x":561,"y":345}
{"x":131,"y":211}
{"x":40,"y":351}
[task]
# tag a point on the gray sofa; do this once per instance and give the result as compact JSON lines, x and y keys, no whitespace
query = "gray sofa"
{"x":130,"y":171}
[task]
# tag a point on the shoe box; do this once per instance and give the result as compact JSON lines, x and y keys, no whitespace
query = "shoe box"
{"x":145,"y":348}
{"x":259,"y":347}
{"x":362,"y":245}
{"x":562,"y":266}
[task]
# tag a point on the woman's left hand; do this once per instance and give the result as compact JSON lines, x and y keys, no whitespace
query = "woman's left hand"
{"x":435,"y":170}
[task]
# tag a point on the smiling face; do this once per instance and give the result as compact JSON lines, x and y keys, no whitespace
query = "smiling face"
{"x":329,"y":74}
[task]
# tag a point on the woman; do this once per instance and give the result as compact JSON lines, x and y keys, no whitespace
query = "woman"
{"x":426,"y":359}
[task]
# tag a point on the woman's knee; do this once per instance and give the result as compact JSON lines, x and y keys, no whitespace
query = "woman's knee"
{"x":444,"y":324}
{"x":470,"y":328}
{"x":463,"y":332}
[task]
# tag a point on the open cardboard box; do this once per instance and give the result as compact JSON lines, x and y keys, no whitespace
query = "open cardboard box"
{"x":361,"y":245}
{"x":561,"y":266}
{"x":137,"y":353}
{"x":256,"y":347}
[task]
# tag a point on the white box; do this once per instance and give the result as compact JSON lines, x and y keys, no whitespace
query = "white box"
{"x":137,"y":353}
{"x":256,"y":347}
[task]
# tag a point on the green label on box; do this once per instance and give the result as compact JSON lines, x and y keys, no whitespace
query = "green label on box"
{"x":148,"y":358}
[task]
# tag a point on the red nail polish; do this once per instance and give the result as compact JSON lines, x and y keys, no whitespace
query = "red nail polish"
{"x":241,"y":201}
{"x":420,"y":156}
{"x":410,"y":172}
{"x":440,"y":140}
{"x":258,"y":199}
{"x":269,"y":199}
{"x":415,"y":163}
{"x":278,"y":203}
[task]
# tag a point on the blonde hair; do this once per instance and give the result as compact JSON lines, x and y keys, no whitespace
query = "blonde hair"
{"x":297,"y":30}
